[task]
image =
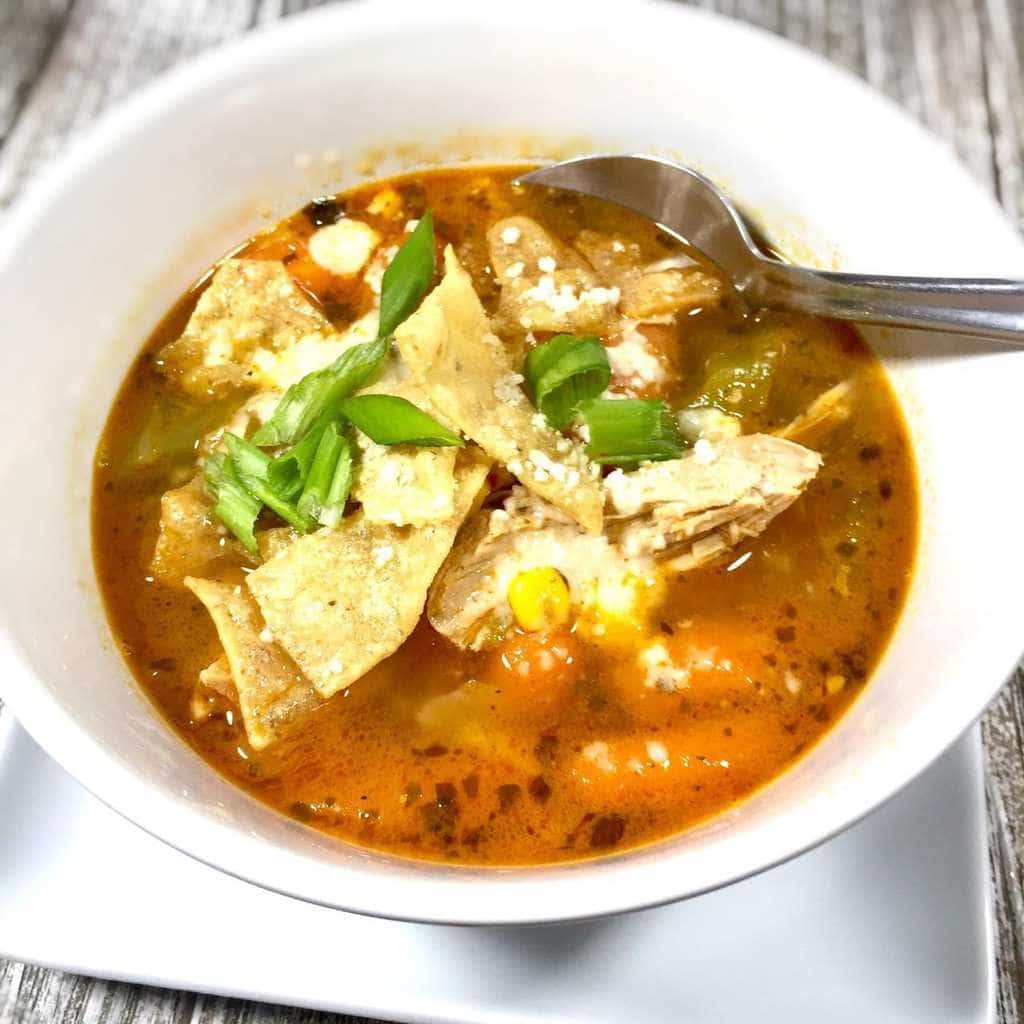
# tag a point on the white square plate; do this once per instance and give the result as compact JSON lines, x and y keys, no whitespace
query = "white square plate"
{"x":891,"y":921}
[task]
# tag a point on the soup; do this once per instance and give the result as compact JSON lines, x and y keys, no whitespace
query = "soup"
{"x":479,"y":523}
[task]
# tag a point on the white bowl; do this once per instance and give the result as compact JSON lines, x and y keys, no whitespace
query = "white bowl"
{"x":92,"y":257}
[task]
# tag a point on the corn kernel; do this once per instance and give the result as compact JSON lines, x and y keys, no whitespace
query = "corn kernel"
{"x":386,"y":203}
{"x":834,"y":684}
{"x":539,"y":599}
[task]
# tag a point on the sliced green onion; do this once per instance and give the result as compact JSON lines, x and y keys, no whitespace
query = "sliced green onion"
{"x":234,"y":506}
{"x":630,"y":430}
{"x":253,"y":467}
{"x":288,"y":472}
{"x":341,"y":483}
{"x":407,"y":277}
{"x":388,"y":419}
{"x":318,"y":392}
{"x":317,"y":482}
{"x":405,"y":282}
{"x":333,"y":451}
{"x":565,"y":372}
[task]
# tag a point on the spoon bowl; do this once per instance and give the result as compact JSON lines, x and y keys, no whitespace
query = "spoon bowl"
{"x":688,"y":206}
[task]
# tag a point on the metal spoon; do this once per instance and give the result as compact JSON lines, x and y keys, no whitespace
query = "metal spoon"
{"x":689,"y":206}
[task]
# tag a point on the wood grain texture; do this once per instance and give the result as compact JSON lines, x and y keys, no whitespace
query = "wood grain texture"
{"x":954,"y":64}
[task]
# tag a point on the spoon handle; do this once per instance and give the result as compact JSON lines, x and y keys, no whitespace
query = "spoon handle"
{"x":979,"y":307}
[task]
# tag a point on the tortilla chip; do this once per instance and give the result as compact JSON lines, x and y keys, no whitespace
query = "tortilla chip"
{"x":249,"y":305}
{"x":190,"y":538}
{"x":214,"y":692}
{"x":270,"y":543}
{"x":341,"y":600}
{"x":545,"y":285}
{"x":404,"y":485}
{"x":449,"y":347}
{"x":272,"y":692}
{"x":662,"y":289}
{"x":245,"y":421}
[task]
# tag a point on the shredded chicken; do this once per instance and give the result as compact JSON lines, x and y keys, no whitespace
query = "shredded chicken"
{"x":823,"y":416}
{"x":685,"y":512}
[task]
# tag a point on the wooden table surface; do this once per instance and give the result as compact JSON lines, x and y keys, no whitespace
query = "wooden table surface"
{"x":954,"y":64}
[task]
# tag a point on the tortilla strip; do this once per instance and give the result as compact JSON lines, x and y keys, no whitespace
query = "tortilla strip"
{"x":249,"y":305}
{"x":341,"y":600}
{"x":190,"y":538}
{"x":272,"y":692}
{"x":403,"y":484}
{"x":451,"y":351}
{"x":545,"y":285}
{"x":270,"y":543}
{"x":214,"y":690}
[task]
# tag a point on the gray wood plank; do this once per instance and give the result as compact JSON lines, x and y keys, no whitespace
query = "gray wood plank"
{"x":954,"y":64}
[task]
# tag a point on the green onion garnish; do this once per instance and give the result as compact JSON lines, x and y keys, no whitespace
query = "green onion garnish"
{"x":234,"y":506}
{"x":630,"y":430}
{"x":308,"y":399}
{"x":330,"y":478}
{"x":253,"y":467}
{"x":404,"y":284}
{"x":388,"y":419}
{"x":565,"y":372}
{"x":289,"y":471}
{"x":407,"y":277}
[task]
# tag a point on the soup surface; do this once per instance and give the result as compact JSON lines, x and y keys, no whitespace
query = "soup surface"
{"x":538,"y":646}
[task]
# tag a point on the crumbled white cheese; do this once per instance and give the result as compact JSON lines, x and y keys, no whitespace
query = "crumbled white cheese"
{"x":511,"y":235}
{"x":411,"y":225}
{"x":547,"y":264}
{"x":266,"y":637}
{"x":343,"y":247}
{"x":544,"y":464}
{"x":708,"y":423}
{"x":382,"y":554}
{"x":558,"y":299}
{"x":660,"y":672}
{"x":599,"y":754}
{"x":792,"y":681}
{"x":602,"y":296}
{"x":506,"y":389}
{"x":658,"y":753}
{"x":278,"y":370}
{"x":704,"y":451}
{"x":514,"y":270}
{"x":632,"y":361}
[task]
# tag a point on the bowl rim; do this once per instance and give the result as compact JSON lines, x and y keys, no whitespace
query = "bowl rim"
{"x":125,"y":792}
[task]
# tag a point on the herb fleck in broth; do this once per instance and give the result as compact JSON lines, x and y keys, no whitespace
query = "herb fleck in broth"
{"x":546,"y":745}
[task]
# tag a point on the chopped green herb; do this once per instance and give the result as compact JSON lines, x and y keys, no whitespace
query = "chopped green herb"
{"x":565,"y":372}
{"x":333,"y":451}
{"x":234,"y":506}
{"x":630,"y":430}
{"x":253,"y":467}
{"x":288,"y":472}
{"x":319,"y":392}
{"x":388,"y":419}
{"x":407,"y":277}
{"x":405,"y":282}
